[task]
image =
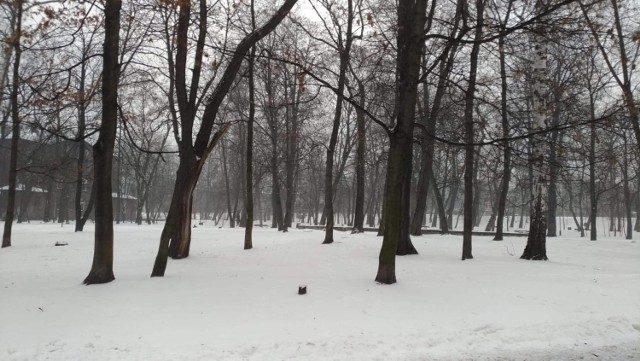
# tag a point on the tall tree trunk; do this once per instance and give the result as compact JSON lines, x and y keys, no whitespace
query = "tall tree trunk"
{"x":468,"y":129}
{"x":405,"y":246}
{"x":504,"y":116}
{"x":344,"y":49}
{"x":15,"y":132}
{"x":81,"y":150}
{"x":410,"y":40}
{"x":102,"y":266}
{"x":593,"y":197}
{"x":626,"y":191}
{"x":536,"y":243}
{"x":637,"y":225}
{"x":175,"y":239}
{"x":291,"y":161}
{"x":248,"y":202}
{"x":426,"y":167}
{"x":277,"y":220}
{"x":195,"y":153}
{"x":232,"y":223}
{"x":358,"y":222}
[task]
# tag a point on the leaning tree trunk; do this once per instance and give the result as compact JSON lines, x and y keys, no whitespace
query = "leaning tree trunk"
{"x":182,"y":206}
{"x":196,"y":153}
{"x":536,"y":242}
{"x":102,"y":266}
{"x":344,"y":50}
{"x":176,"y":233}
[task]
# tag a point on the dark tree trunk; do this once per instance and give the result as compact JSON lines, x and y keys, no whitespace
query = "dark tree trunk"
{"x":453,"y":195}
{"x":232,"y":223}
{"x":358,"y":222}
{"x":381,"y":217}
{"x":468,"y":129}
{"x":102,"y":266}
{"x":421,"y":192}
{"x":49,"y":202}
{"x":248,"y":202}
{"x":81,"y":151}
{"x":25,"y":199}
{"x":637,"y":226}
{"x":536,"y":242}
{"x":506,"y":172}
{"x":426,"y":168}
{"x":87,"y":212}
{"x":344,"y":50}
{"x":442,"y":215}
{"x":626,"y":191}
{"x":15,"y":132}
{"x":593,"y":197}
{"x":292,"y":96}
{"x":522,"y":210}
{"x":194,"y":154}
{"x":410,"y":40}
{"x":180,"y":237}
{"x":405,"y":246}
{"x":63,"y":203}
{"x":276,"y":203}
{"x":572,"y":211}
{"x":175,"y":239}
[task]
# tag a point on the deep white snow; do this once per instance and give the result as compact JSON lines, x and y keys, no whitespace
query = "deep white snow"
{"x":224,"y":303}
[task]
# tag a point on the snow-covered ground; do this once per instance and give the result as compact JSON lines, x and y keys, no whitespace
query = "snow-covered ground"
{"x":224,"y":303}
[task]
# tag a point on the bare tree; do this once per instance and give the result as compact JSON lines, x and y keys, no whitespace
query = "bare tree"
{"x":102,"y":266}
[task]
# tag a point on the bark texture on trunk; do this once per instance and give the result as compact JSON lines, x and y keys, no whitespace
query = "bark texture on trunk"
{"x":175,"y":239}
{"x":506,"y":172}
{"x":15,"y":129}
{"x":358,"y":217}
{"x":410,"y":39}
{"x":536,"y":242}
{"x":405,"y":246}
{"x":469,"y":129}
{"x":102,"y":266}
{"x":248,"y":202}
{"x":344,"y":49}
